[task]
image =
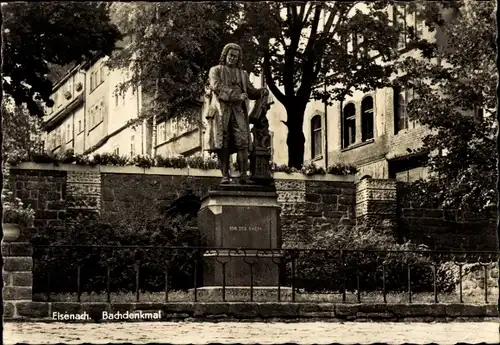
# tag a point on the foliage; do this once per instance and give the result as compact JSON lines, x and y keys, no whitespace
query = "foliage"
{"x":33,"y":34}
{"x":170,"y":55}
{"x":285,"y":41}
{"x":95,"y":231}
{"x":342,"y":169}
{"x":340,"y":255}
{"x":13,"y":209}
{"x":450,"y":88}
{"x":20,"y":133}
{"x":181,"y":162}
{"x":306,"y":54}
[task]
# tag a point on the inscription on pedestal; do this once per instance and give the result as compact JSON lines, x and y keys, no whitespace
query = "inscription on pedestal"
{"x":245,"y":228}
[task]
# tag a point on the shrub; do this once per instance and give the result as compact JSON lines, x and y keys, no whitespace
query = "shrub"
{"x":13,"y":209}
{"x":364,"y":252}
{"x":100,"y":231}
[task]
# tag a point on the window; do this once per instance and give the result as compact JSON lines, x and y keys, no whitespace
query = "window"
{"x":101,"y":72}
{"x":357,"y":49}
{"x":91,"y":81}
{"x":79,"y":126}
{"x":68,"y":132}
{"x":57,"y":97}
{"x":123,"y":98}
{"x":367,"y":119}
{"x":69,"y":86}
{"x":116,"y":99}
{"x":410,"y":25}
{"x":91,"y":117}
{"x":161,"y":132}
{"x":59,"y":136}
{"x":316,"y":144}
{"x":349,"y":125}
{"x":116,"y":151}
{"x":401,"y":119}
{"x":101,"y":111}
{"x":132,"y":146}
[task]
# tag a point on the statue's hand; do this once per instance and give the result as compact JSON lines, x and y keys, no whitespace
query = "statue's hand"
{"x":243,"y":96}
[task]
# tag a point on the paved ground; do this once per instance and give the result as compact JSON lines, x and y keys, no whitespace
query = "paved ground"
{"x":252,"y":332}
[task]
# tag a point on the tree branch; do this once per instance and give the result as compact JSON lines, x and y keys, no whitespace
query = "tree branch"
{"x":270,"y":81}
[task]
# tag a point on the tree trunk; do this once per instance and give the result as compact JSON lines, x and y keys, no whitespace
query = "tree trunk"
{"x":295,"y":139}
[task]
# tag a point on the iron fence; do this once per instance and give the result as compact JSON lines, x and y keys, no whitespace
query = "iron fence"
{"x":341,"y":275}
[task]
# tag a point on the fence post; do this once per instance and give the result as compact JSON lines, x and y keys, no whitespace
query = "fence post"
{"x":18,"y":282}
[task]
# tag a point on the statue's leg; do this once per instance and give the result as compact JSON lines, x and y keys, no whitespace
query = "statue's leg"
{"x":242,"y":157}
{"x":224,"y":165}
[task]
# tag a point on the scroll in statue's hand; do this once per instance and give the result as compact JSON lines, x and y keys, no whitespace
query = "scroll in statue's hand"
{"x":243,"y":97}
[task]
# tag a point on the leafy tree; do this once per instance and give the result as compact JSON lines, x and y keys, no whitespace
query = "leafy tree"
{"x":36,"y":34}
{"x":305,"y":44}
{"x":171,"y":48}
{"x":21,"y":135}
{"x":456,"y":99}
{"x":289,"y":42}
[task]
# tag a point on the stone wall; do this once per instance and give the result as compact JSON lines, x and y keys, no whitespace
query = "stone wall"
{"x":278,"y":311}
{"x":444,"y":229}
{"x":309,"y":203}
{"x":59,"y":193}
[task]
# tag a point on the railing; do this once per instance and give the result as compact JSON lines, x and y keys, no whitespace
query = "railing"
{"x":166,"y":274}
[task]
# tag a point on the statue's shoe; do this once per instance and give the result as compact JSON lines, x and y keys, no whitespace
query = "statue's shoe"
{"x":225,"y":180}
{"x":243,"y":178}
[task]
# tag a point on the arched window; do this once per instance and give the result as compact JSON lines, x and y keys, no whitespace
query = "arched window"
{"x":367,"y":119}
{"x":316,"y":145}
{"x":348,"y":125}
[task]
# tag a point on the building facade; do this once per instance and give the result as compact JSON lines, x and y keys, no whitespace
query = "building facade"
{"x":91,"y":116}
{"x":370,"y":130}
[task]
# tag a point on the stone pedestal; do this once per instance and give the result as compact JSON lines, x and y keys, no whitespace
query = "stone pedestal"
{"x":244,"y":217}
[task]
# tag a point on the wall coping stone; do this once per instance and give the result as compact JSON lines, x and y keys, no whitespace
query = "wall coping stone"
{"x":264,"y":310}
{"x":109,"y":169}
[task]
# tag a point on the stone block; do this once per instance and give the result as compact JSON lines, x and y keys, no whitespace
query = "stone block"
{"x":286,"y":185}
{"x":383,"y":315}
{"x":330,"y":199}
{"x":108,"y":194}
{"x":347,"y":200}
{"x":33,"y":309}
{"x":95,"y":309}
{"x":291,"y":196}
{"x":412,"y":212}
{"x":7,"y":278}
{"x":313,"y":197}
{"x":22,"y":278}
{"x":12,"y":293}
{"x":56,"y":205}
{"x":16,"y":264}
{"x":53,"y":196}
{"x":418,"y":310}
{"x":344,"y":311}
{"x":432,"y":213}
{"x":456,"y":310}
{"x":8,"y":309}
{"x":66,"y":307}
{"x":17,"y":249}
